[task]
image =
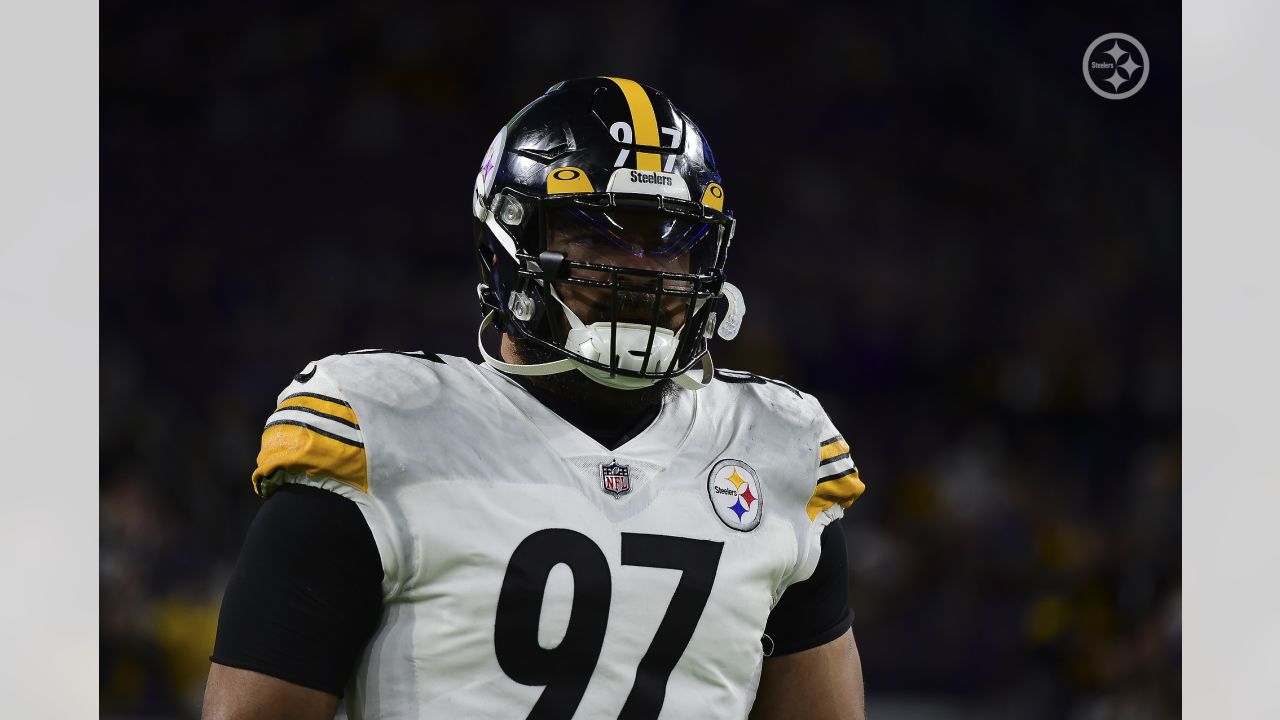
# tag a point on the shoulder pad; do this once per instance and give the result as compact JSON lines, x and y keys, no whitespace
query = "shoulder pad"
{"x":837,"y":482}
{"x":313,"y":431}
{"x":740,"y":377}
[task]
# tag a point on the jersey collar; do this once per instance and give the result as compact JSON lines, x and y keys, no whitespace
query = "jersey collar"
{"x":660,"y":442}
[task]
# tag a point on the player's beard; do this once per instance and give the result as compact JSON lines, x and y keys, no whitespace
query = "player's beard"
{"x":586,"y":395}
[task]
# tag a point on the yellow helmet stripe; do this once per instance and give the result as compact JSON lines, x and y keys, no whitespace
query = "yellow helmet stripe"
{"x":643,"y":121}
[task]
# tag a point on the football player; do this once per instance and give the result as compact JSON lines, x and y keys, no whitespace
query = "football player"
{"x":592,"y":523}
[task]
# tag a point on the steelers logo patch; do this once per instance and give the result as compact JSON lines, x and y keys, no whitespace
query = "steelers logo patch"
{"x":736,"y":495}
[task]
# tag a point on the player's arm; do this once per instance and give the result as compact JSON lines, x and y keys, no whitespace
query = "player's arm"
{"x":304,"y":599}
{"x":236,"y":694}
{"x":306,"y":594}
{"x":823,"y":683}
{"x":813,"y":669}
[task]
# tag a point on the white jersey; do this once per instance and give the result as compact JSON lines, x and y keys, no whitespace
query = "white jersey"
{"x":530,"y":571}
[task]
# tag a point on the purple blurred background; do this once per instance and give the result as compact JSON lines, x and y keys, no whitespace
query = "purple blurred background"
{"x":967,"y":255}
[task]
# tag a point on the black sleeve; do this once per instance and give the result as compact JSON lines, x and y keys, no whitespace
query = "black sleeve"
{"x":306,"y":593}
{"x":815,"y":611}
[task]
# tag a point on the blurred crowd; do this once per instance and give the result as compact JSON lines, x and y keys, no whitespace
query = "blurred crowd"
{"x":971,"y":260}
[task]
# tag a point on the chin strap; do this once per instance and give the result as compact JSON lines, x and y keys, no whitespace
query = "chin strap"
{"x":550,"y":368}
{"x":687,"y":380}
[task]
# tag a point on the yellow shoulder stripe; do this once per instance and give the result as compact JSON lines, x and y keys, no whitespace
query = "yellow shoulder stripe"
{"x":831,"y":448}
{"x":645,"y":122}
{"x":332,"y":407}
{"x":842,"y":489}
{"x":303,"y":449}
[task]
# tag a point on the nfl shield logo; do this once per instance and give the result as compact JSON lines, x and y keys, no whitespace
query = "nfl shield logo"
{"x":615,"y":479}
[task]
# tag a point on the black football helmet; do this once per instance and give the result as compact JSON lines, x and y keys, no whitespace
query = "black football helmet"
{"x":614,"y":162}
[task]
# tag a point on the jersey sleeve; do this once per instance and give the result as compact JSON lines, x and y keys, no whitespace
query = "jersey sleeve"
{"x":313,"y":432}
{"x":814,"y":611}
{"x":314,"y":438}
{"x":836,"y":485}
